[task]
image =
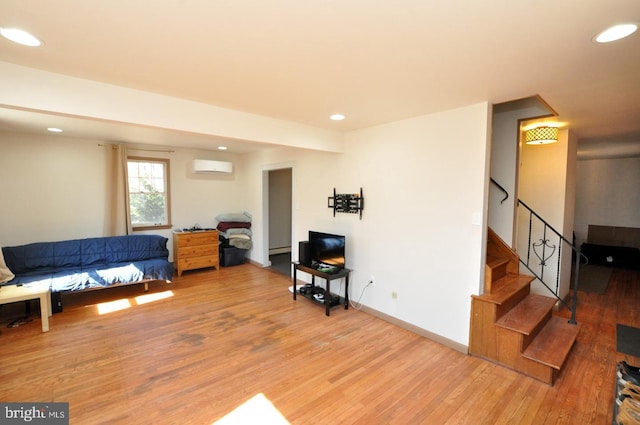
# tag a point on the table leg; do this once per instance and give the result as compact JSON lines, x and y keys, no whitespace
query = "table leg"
{"x":295,"y":269}
{"x":327,"y":297}
{"x":346,"y":292}
{"x":44,"y":311}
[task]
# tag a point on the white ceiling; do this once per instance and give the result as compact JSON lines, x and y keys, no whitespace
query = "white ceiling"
{"x":374,"y":61}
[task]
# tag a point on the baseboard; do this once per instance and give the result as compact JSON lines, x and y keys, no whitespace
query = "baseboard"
{"x":281,"y":250}
{"x":464,"y":349}
{"x":255,"y":263}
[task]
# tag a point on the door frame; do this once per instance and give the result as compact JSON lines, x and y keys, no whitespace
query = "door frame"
{"x":265,"y":206}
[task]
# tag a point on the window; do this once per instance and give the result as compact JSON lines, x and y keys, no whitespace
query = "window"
{"x":148,"y":187}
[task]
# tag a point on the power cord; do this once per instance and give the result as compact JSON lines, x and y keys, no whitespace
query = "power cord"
{"x":356,"y":307}
{"x":360,"y":297}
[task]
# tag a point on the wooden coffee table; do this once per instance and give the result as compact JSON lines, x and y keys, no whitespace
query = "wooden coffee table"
{"x":14,"y":293}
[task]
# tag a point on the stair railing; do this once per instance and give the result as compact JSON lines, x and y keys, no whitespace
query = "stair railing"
{"x":499,"y":186}
{"x":543,"y":244}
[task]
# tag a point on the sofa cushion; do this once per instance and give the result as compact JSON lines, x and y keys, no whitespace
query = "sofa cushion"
{"x":79,"y":264}
{"x":92,"y":252}
{"x":16,"y":257}
{"x":75,"y":280}
{"x":135,"y":248}
{"x":117,"y":273}
{"x":44,"y":256}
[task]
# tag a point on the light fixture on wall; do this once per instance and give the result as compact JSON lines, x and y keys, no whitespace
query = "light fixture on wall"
{"x":541,"y":135}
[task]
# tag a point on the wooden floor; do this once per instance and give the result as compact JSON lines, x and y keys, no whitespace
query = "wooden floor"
{"x":224,"y":338}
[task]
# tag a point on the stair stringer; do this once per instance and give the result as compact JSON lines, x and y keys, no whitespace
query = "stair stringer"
{"x":486,"y":309}
{"x":499,"y":252}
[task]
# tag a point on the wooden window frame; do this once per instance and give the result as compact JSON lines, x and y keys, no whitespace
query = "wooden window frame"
{"x":167,"y":193}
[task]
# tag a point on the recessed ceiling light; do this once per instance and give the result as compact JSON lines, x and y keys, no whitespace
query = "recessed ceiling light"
{"x":54,"y":130}
{"x":337,"y":117}
{"x":19,"y":36}
{"x":222,"y":148}
{"x":616,"y":32}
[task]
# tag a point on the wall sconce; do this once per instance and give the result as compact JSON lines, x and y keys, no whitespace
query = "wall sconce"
{"x":541,"y":135}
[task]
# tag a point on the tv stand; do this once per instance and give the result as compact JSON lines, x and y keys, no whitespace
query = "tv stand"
{"x":342,"y":273}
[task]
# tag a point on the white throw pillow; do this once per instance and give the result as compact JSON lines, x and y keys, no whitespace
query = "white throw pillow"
{"x":5,"y":273}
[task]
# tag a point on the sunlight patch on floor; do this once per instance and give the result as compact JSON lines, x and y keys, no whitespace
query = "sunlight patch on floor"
{"x":149,"y":298}
{"x":111,"y":306}
{"x":256,"y":410}
{"x":124,"y":303}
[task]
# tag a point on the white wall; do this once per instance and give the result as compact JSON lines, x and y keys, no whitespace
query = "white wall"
{"x":423,"y":179}
{"x":569,"y":210}
{"x":55,"y":188}
{"x":504,"y":161}
{"x":546,"y":184}
{"x":52,"y":189}
{"x":607,"y":194}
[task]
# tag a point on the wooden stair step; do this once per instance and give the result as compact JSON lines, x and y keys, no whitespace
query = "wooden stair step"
{"x":552,"y":345}
{"x":527,"y":315}
{"x":495,"y":262}
{"x":497,"y":268}
{"x":505,"y":287}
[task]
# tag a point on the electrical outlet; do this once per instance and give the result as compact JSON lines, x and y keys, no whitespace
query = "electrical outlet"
{"x":394,"y":295}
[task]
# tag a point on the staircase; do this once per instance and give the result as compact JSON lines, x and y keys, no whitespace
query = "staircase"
{"x":513,"y":327}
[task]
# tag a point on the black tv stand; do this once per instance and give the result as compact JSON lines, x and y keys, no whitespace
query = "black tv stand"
{"x":342,"y":273}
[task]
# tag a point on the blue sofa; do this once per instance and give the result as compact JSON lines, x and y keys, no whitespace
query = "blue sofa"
{"x":79,"y":264}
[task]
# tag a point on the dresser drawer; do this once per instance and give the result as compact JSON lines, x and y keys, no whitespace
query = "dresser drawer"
{"x":205,"y":238}
{"x":197,"y":262}
{"x":198,"y":251}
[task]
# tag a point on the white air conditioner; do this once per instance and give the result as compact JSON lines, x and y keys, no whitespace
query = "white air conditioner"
{"x":210,"y":166}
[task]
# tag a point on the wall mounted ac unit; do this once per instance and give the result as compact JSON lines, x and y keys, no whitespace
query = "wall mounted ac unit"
{"x":210,"y":166}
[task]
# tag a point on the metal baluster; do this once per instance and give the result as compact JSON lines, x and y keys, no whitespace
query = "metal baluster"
{"x":558,"y":265}
{"x":529,"y":241}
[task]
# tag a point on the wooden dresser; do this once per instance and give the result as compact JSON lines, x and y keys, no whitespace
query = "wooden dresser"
{"x":195,"y":250}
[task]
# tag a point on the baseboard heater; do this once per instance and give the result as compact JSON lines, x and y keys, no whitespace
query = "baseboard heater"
{"x":281,"y":250}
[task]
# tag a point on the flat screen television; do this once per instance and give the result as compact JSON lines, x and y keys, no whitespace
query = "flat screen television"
{"x":326,"y":248}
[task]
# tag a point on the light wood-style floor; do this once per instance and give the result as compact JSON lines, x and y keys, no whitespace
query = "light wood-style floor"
{"x":227,"y":337}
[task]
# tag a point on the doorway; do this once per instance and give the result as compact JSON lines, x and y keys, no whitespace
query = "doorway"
{"x":279,"y":211}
